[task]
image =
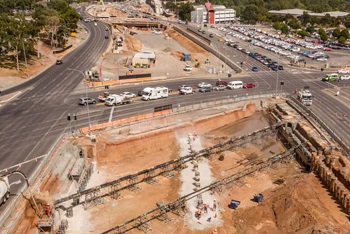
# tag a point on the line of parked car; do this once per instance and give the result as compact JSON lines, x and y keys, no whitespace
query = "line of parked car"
{"x":203,"y":87}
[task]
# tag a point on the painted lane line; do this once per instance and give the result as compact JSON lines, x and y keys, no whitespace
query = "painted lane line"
{"x":111,"y":115}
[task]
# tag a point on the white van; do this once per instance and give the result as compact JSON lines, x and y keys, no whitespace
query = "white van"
{"x":235,"y":85}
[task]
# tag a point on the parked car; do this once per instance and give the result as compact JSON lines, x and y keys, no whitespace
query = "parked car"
{"x":221,"y":82}
{"x":205,"y":89}
{"x":128,"y":95}
{"x":211,"y":35}
{"x":184,"y":86}
{"x":220,"y":88}
{"x":59,"y":62}
{"x":248,"y":85}
{"x":255,"y":69}
{"x":187,"y":68}
{"x":345,"y":77}
{"x":327,"y":49}
{"x":280,"y":67}
{"x":274,"y":68}
{"x":204,"y":84}
{"x":86,"y":100}
{"x":133,"y":33}
{"x":321,"y":59}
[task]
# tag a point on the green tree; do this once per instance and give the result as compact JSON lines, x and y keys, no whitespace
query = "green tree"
{"x":342,"y":39}
{"x":345,"y":33}
{"x":285,"y":29}
{"x":305,"y":18}
{"x":185,"y":11}
{"x":251,"y":14}
{"x":310,"y":29}
{"x":294,"y":24}
{"x":303,"y":33}
{"x":323,"y":34}
{"x":336,"y":33}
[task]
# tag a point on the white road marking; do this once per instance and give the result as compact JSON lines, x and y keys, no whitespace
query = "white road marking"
{"x":111,"y":115}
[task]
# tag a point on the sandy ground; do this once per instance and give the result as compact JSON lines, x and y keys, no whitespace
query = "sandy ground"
{"x":290,"y":207}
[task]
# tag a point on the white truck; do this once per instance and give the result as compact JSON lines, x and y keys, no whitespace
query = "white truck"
{"x":186,"y":90}
{"x":114,"y":99}
{"x":305,"y":96}
{"x":155,"y":93}
{"x":4,"y":189}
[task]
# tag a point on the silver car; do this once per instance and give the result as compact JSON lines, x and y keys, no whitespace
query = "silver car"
{"x":86,"y":100}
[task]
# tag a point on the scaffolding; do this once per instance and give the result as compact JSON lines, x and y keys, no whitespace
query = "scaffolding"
{"x":133,"y":182}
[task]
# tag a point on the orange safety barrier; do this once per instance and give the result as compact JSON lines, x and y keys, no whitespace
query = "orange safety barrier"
{"x":124,"y":121}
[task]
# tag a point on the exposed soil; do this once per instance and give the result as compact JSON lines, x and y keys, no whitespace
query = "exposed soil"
{"x":298,"y":204}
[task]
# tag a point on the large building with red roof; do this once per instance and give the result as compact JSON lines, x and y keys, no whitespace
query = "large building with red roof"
{"x":212,"y":14}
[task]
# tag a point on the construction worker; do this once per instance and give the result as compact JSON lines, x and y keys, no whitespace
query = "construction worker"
{"x":199,"y":213}
{"x":214,"y":205}
{"x":48,"y":210}
{"x":205,"y":207}
{"x":215,"y":231}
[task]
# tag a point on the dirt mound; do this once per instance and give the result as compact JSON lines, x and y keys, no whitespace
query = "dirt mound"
{"x":133,"y":44}
{"x":291,"y":208}
{"x":177,"y":54}
{"x":188,"y":44}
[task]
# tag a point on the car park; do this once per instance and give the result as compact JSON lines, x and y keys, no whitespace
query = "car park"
{"x":248,"y":85}
{"x":59,"y":62}
{"x":86,"y":100}
{"x":255,"y":69}
{"x":345,"y":77}
{"x":204,"y":84}
{"x":128,"y":95}
{"x":220,"y":87}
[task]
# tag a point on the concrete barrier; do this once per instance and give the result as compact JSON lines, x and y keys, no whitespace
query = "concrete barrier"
{"x":124,"y":121}
{"x":205,"y":45}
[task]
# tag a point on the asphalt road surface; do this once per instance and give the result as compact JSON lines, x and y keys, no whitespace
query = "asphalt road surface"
{"x":30,"y":124}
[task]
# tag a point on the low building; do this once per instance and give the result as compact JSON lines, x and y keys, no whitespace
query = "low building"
{"x":143,"y":60}
{"x":300,"y":12}
{"x":212,"y":14}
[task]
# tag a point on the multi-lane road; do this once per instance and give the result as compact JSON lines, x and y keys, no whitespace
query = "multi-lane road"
{"x":31,"y":123}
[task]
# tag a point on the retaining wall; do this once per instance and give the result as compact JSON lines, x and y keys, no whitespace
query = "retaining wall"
{"x":339,"y":191}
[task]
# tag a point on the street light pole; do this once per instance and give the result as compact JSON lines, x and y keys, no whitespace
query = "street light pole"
{"x":87,"y":103}
{"x":277,"y":74}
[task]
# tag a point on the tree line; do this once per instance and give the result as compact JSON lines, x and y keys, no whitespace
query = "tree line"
{"x":24,"y":22}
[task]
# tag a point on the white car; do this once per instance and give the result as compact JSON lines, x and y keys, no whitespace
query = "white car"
{"x":344,"y":71}
{"x":321,"y":59}
{"x":204,"y":85}
{"x":128,"y":95}
{"x":345,"y":77}
{"x":188,"y":68}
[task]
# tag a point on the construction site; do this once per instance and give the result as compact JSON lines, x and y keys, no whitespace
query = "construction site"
{"x":243,"y":167}
{"x":258,"y":165}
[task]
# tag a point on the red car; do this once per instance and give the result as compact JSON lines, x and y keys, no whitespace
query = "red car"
{"x":221,"y":82}
{"x":248,"y":85}
{"x":327,"y":49}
